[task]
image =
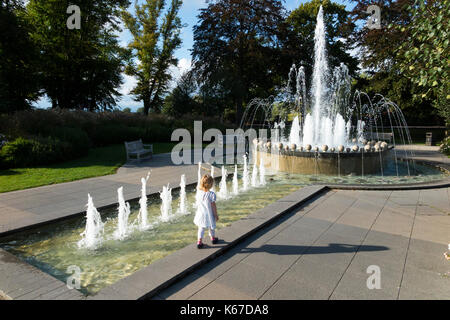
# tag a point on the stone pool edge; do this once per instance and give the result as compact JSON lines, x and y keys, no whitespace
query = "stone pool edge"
{"x":148,"y":281}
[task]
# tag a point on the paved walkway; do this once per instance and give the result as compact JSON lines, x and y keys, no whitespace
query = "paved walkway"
{"x":425,"y":153}
{"x":24,"y":208}
{"x":323,"y":250}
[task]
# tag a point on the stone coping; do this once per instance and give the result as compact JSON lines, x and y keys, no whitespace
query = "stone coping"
{"x":22,"y":281}
{"x":327,"y":154}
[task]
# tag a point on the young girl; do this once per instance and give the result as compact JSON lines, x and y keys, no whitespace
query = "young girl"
{"x":206,"y":215}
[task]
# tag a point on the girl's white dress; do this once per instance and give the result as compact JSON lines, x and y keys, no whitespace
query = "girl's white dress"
{"x":204,"y":217}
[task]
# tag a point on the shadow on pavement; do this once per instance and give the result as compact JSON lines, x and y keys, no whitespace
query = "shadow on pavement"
{"x":331,"y":248}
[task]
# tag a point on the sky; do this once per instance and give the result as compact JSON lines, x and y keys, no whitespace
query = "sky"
{"x":188,"y":13}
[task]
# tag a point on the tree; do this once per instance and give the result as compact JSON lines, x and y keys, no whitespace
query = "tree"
{"x":181,"y":100}
{"x":80,"y":68}
{"x":383,"y":52}
{"x":154,"y":43}
{"x":19,"y":78}
{"x":235,"y":48}
{"x":301,"y":23}
{"x":377,"y":46}
{"x":424,"y":55}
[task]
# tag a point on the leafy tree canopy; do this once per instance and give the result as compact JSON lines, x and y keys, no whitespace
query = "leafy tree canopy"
{"x":236,"y":47}
{"x":156,"y":36}
{"x":80,"y":68}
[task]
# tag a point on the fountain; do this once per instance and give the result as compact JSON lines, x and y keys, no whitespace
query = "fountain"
{"x":255,"y":175}
{"x":122,"y":219}
{"x":143,"y":211}
{"x":262,"y":172}
{"x":166,"y":206}
{"x":331,"y":133}
{"x":183,"y":207}
{"x":93,"y":233}
{"x":235,"y":181}
{"x":223,"y":192}
{"x":245,"y":176}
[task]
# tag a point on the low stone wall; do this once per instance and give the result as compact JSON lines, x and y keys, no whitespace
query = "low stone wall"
{"x":328,"y":163}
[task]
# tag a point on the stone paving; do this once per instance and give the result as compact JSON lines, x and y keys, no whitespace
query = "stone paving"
{"x":425,"y":153}
{"x":323,"y":250}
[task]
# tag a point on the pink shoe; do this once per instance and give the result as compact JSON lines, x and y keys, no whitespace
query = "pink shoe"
{"x":199,"y":244}
{"x":214,"y":240}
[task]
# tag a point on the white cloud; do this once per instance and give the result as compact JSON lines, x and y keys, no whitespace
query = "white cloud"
{"x":184,"y":65}
{"x":128,"y":85}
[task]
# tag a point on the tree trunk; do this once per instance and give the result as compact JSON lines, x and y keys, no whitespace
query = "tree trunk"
{"x":146,"y":105}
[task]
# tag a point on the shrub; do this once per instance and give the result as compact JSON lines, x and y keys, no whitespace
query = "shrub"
{"x":445,"y":146}
{"x":77,"y":139}
{"x":57,"y":135}
{"x":33,"y":152}
{"x":16,"y":153}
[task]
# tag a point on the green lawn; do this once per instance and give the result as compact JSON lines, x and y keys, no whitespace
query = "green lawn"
{"x":99,"y":162}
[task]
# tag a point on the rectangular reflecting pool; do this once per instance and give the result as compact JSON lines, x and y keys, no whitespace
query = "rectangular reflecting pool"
{"x":53,"y":248}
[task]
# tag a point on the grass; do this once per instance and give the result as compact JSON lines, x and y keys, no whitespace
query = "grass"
{"x":99,"y":162}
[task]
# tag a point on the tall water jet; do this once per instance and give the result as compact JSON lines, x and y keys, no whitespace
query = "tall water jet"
{"x":324,"y":125}
{"x":93,"y":233}
{"x":319,"y":80}
{"x":122,"y":219}
{"x":166,"y":206}
{"x":294,"y":137}
{"x":183,"y":207}
{"x":223,"y":191}
{"x":245,"y":175}
{"x":143,"y":210}
{"x":235,"y":181}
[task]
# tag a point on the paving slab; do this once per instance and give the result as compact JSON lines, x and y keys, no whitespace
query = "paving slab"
{"x":320,"y":253}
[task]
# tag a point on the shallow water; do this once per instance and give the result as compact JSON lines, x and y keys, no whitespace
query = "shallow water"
{"x":54,"y":248}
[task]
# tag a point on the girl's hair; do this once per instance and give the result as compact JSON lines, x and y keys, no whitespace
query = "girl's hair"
{"x":206,"y":183}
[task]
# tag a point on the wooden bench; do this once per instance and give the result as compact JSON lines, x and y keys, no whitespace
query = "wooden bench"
{"x":139,"y":150}
{"x":383,"y":136}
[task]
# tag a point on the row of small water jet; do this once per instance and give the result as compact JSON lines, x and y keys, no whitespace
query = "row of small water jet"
{"x":93,"y":235}
{"x":223,"y":190}
{"x":122,"y":219}
{"x":166,"y":206}
{"x":235,"y":181}
{"x":143,"y":208}
{"x":183,"y":207}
